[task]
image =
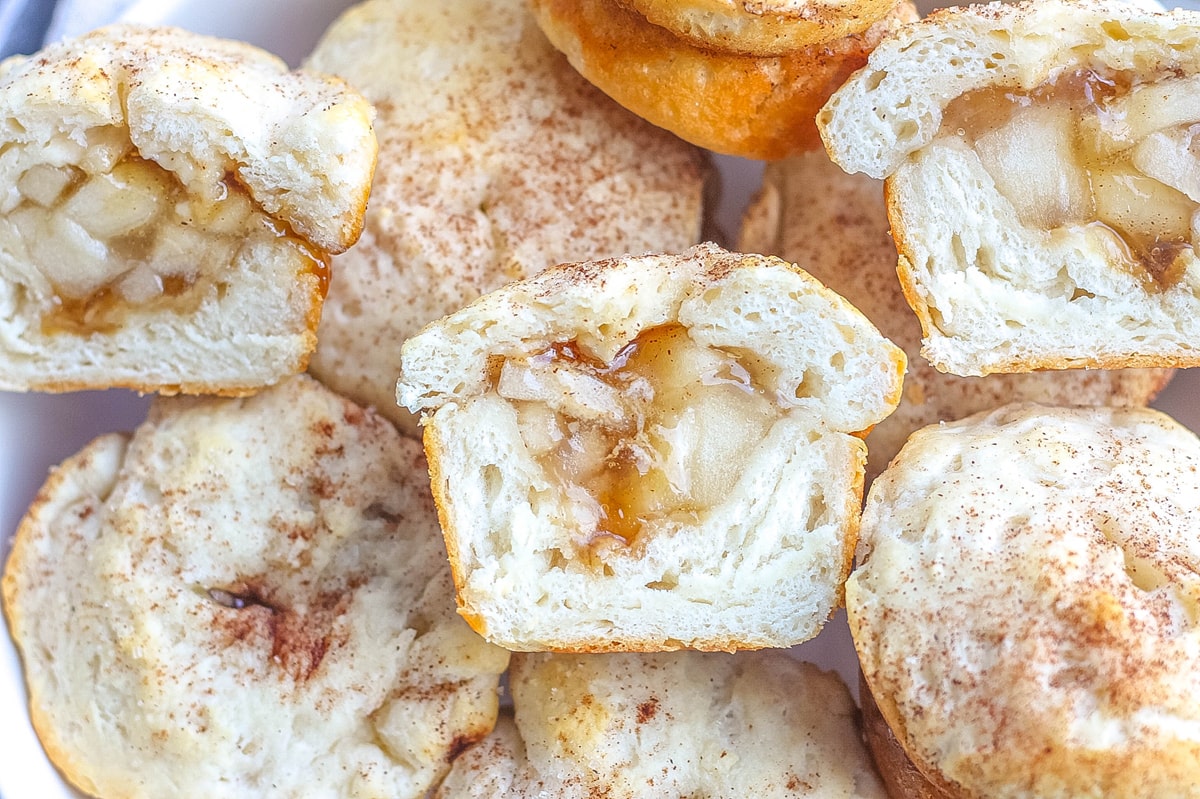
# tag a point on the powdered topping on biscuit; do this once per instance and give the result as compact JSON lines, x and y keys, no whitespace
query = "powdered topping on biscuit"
{"x":257,"y":598}
{"x":1026,"y":610}
{"x":497,"y":161}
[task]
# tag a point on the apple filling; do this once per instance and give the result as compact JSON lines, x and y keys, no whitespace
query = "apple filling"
{"x":1102,"y":151}
{"x":109,"y":230}
{"x":661,"y":432}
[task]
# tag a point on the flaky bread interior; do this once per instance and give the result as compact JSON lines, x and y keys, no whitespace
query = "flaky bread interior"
{"x":172,"y":204}
{"x":1025,"y":607}
{"x":834,"y":225}
{"x":1041,"y":186}
{"x":651,"y":452}
{"x":246,"y":597}
{"x":761,"y":27}
{"x":702,"y":725}
{"x":496,"y":161}
{"x":760,"y":107}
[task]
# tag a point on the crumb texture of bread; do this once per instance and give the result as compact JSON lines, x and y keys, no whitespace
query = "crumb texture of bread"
{"x":702,"y":725}
{"x":246,"y":596}
{"x":496,"y":161}
{"x":760,"y":107}
{"x":1025,"y":608}
{"x":1040,"y":181}
{"x":653,"y":452}
{"x":172,"y":203}
{"x":834,"y":225}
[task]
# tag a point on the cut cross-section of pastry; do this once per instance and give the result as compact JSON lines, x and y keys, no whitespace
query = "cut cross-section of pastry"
{"x":1041,"y":180}
{"x":651,"y":453}
{"x":170,"y":208}
{"x":247,"y":597}
{"x":695,"y":724}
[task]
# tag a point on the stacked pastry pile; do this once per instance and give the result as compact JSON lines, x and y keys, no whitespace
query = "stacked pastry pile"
{"x":1025,"y":605}
{"x":641,"y":453}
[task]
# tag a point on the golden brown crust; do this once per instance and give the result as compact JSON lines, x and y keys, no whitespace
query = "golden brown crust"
{"x":760,"y":27}
{"x":901,"y":777}
{"x":535,"y":167}
{"x":748,"y":106}
{"x":438,"y":482}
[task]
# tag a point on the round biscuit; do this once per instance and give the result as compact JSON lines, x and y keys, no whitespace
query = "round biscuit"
{"x":680,"y":724}
{"x":1027,"y":600}
{"x":247,"y":597}
{"x":496,"y":161}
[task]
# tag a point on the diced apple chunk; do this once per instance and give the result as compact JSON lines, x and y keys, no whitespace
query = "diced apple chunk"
{"x":1147,"y":108}
{"x":1140,"y":208}
{"x":539,"y":426}
{"x":569,"y":391}
{"x":182,"y":251}
{"x":1032,"y":162}
{"x":106,"y":147}
{"x":118,"y":203}
{"x":75,"y":262}
{"x":44,"y":184}
{"x":1167,"y":157}
{"x":140,"y":284}
{"x":703,"y":448}
{"x":672,"y":358}
{"x":583,"y":454}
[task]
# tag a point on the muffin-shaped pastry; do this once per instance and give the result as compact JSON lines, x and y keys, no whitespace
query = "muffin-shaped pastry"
{"x":834,"y":225}
{"x":651,"y":453}
{"x":761,"y":27}
{"x":496,"y":161}
{"x":172,"y":203}
{"x":1042,"y":185}
{"x":246,"y":597}
{"x":1026,"y":606}
{"x":696,"y":724}
{"x":752,"y":106}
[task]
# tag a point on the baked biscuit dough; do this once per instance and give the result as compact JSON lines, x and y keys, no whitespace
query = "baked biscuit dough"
{"x":834,"y":225}
{"x":496,"y":161}
{"x":1025,"y":607}
{"x":170,"y":205}
{"x":246,"y":597}
{"x":1042,"y":186}
{"x":700,"y":725}
{"x":760,"y":107}
{"x":761,"y":27}
{"x":651,"y":453}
